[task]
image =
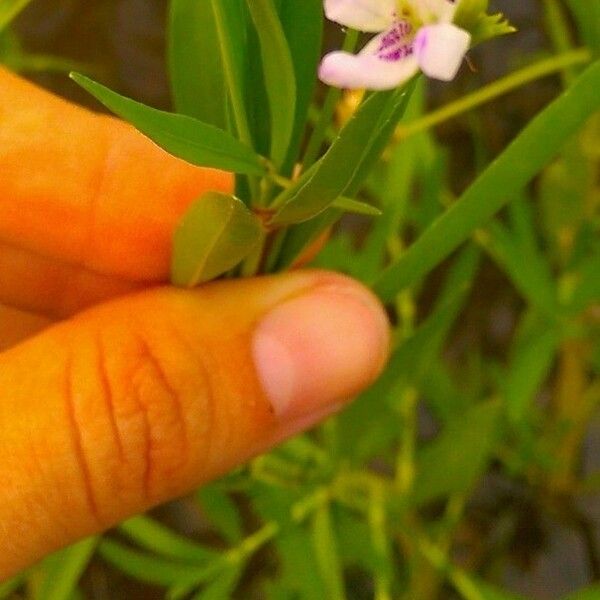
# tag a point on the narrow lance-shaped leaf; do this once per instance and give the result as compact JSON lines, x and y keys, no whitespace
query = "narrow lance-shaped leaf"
{"x":302,"y":235}
{"x":537,"y":144}
{"x":344,"y":166}
{"x":63,"y":570}
{"x":155,"y":537}
{"x":185,"y":137}
{"x":195,"y":64}
{"x":152,"y":569}
{"x":303,"y":26}
{"x":217,"y":233}
{"x":327,"y":554}
{"x":279,"y":75}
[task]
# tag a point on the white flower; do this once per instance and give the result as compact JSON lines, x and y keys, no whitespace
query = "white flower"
{"x":413,"y":35}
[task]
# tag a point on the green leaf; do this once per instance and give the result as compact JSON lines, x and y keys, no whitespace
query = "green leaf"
{"x":216,"y":234}
{"x":303,"y":26}
{"x":231,"y":28}
{"x":530,"y":363}
{"x":347,"y":161}
{"x":195,"y":64}
{"x":221,"y":512}
{"x":356,"y":207}
{"x":327,"y":554}
{"x":587,"y":284}
{"x":454,"y":461}
{"x":535,"y":147}
{"x":155,"y":537}
{"x":9,"y":9}
{"x":223,"y":586}
{"x":278,"y":70}
{"x":187,"y":138}
{"x":151,"y":569}
{"x":587,"y":16}
{"x":63,"y":570}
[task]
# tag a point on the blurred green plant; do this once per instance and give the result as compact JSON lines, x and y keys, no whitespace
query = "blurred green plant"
{"x":12,"y":53}
{"x":367,"y":505}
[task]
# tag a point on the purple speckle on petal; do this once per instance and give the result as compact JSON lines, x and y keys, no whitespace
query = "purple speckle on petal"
{"x":396,"y":43}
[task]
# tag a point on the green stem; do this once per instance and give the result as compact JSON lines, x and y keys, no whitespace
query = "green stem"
{"x":492,"y":91}
{"x":331,"y":99}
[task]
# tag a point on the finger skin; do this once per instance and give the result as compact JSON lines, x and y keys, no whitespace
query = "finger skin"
{"x":143,"y":399}
{"x":88,"y":189}
{"x":16,"y":326}
{"x":36,"y":283}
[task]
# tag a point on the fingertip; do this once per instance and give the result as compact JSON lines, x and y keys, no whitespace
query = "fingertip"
{"x":320,"y":348}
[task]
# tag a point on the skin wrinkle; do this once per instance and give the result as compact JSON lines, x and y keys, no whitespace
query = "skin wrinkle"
{"x":142,"y":411}
{"x":201,"y":359}
{"x":148,"y":357}
{"x":107,"y":394}
{"x":67,"y":288}
{"x":79,"y":453}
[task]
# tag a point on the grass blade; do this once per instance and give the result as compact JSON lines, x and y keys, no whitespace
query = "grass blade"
{"x":537,"y":144}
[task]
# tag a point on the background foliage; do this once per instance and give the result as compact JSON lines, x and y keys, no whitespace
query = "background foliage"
{"x":470,"y":470}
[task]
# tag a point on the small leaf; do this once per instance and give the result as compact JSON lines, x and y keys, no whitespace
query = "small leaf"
{"x":153,"y":536}
{"x":279,"y":75}
{"x":215,"y":235}
{"x":223,"y":586}
{"x":63,"y":570}
{"x":187,"y":138}
{"x":356,"y":206}
{"x":152,"y":569}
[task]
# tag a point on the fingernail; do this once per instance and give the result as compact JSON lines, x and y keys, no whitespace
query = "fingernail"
{"x":320,"y":348}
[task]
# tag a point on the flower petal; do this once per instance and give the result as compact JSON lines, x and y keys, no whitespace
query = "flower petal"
{"x":357,"y":71}
{"x":364,"y":15}
{"x":440,"y":50}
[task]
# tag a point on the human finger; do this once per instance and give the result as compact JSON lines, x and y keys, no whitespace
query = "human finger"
{"x":87,"y":189}
{"x":138,"y":401}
